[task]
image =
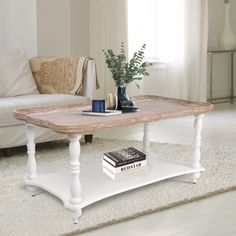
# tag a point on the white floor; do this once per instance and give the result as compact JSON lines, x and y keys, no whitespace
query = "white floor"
{"x":212,"y":216}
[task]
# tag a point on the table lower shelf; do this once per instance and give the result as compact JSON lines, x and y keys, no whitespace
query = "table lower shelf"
{"x":96,"y":185}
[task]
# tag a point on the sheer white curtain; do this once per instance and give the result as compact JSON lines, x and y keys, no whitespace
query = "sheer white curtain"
{"x":175,"y":32}
{"x":108,"y":28}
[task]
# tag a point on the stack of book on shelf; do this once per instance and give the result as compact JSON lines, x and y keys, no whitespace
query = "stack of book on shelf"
{"x":123,"y":163}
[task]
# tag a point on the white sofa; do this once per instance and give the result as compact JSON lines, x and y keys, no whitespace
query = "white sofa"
{"x":12,"y":131}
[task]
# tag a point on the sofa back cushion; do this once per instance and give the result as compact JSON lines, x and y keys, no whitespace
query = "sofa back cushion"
{"x":15,"y":74}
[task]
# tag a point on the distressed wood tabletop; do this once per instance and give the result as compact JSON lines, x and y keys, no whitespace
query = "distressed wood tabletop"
{"x":69,"y":118}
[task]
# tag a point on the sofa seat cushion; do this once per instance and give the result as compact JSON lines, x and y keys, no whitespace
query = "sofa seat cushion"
{"x":10,"y":104}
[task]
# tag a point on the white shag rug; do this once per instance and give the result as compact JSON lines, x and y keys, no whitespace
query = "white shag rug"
{"x":21,"y":214}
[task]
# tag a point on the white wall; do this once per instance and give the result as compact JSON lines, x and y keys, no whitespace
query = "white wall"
{"x":79,"y":27}
{"x":18,"y":25}
{"x":221,"y":66}
{"x":53,"y":18}
{"x":63,"y":27}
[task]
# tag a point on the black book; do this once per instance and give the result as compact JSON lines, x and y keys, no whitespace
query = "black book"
{"x":124,"y":156}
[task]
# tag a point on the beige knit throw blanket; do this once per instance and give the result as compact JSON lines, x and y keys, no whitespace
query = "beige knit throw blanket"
{"x":60,"y":74}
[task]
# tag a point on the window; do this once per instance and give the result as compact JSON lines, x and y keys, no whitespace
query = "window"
{"x":159,"y":24}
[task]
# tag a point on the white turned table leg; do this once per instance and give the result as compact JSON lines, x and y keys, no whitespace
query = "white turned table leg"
{"x":196,"y":146}
{"x":31,"y":172}
{"x":31,"y":164}
{"x":146,"y":137}
{"x":75,"y":189}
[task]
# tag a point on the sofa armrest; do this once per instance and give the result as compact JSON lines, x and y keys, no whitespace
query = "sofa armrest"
{"x":91,"y":81}
{"x":65,"y":75}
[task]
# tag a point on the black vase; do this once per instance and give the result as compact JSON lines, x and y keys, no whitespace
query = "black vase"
{"x":121,"y":96}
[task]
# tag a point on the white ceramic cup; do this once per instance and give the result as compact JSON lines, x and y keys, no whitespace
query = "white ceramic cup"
{"x":111,"y":101}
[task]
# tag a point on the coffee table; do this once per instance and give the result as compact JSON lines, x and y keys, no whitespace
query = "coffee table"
{"x":68,"y":119}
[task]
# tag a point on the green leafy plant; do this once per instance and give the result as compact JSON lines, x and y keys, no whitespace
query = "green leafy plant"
{"x":124,"y":71}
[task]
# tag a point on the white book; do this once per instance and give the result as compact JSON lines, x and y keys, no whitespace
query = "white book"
{"x":125,"y":168}
{"x":127,"y":174}
{"x":105,"y":113}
